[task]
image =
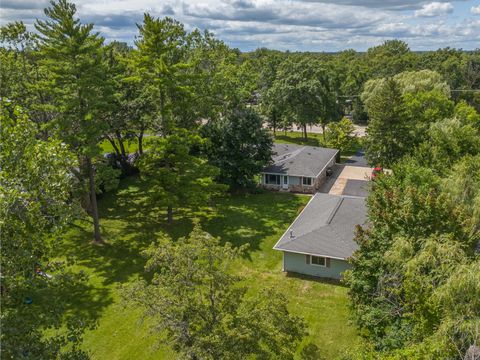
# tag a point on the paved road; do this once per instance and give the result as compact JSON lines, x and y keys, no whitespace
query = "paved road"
{"x":359,"y":129}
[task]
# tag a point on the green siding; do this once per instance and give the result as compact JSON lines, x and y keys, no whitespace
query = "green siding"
{"x":293,"y":262}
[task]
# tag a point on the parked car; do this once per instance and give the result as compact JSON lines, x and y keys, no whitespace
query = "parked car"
{"x":376,"y":171}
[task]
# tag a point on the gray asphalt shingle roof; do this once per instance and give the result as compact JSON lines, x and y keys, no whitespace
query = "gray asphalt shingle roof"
{"x":299,"y":160}
{"x":325,"y":227}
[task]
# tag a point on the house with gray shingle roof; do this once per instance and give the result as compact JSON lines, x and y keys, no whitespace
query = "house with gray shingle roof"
{"x":320,"y":240}
{"x":298,"y":168}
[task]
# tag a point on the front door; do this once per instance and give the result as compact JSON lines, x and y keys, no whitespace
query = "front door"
{"x":285,"y":182}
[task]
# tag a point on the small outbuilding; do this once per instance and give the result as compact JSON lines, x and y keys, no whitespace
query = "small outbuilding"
{"x":298,"y":168}
{"x":320,"y":240}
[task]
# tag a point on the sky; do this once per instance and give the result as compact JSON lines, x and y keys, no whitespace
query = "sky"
{"x":295,"y":25}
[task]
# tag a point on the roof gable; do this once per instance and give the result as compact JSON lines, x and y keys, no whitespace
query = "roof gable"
{"x":325,"y":227}
{"x":298,"y":160}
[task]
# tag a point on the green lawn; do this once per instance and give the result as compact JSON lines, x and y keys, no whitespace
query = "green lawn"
{"x":296,"y":137}
{"x":128,"y":226}
{"x":131,"y":145}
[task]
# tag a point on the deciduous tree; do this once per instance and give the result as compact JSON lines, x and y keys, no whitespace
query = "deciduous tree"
{"x":196,"y":305}
{"x":239,"y":146}
{"x":304,"y":90}
{"x":422,"y":229}
{"x":339,"y":135}
{"x":390,"y":58}
{"x":35,"y":206}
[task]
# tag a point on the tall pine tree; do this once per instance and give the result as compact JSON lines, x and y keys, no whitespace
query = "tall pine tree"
{"x":72,"y":53}
{"x":159,"y":64}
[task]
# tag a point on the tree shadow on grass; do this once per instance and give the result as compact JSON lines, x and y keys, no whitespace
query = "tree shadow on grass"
{"x":237,"y":219}
{"x":250,"y":219}
{"x":113,"y":262}
{"x":129,"y":226}
{"x":62,"y":302}
{"x":77,"y":298}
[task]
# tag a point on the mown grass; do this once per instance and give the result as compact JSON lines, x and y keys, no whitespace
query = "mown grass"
{"x":296,"y":137}
{"x":128,"y":226}
{"x":131,"y":145}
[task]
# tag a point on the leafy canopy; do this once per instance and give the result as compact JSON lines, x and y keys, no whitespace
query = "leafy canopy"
{"x":35,"y":205}
{"x":195,"y":304}
{"x":239,"y":146}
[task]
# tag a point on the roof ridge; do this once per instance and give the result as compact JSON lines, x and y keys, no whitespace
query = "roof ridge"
{"x":335,"y":209}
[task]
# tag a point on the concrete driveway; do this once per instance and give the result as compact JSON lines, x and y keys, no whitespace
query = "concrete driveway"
{"x":351,"y":178}
{"x":356,"y":175}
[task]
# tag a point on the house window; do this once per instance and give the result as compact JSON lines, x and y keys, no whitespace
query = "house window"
{"x":318,"y":261}
{"x":294,"y":180}
{"x":272,"y":179}
{"x":307,"y":181}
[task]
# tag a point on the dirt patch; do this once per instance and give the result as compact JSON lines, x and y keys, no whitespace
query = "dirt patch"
{"x":306,"y":286}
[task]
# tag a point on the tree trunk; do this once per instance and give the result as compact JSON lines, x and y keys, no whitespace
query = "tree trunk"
{"x":170,"y":215}
{"x":93,"y":202}
{"x":323,"y":133}
{"x":305,"y":131}
{"x":274,"y":125}
{"x":127,"y":168}
{"x":114,"y":146}
{"x":120,"y":154}
{"x":123,"y":153}
{"x":140,"y":142}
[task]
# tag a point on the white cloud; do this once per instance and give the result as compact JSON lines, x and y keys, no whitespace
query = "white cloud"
{"x":396,"y":5}
{"x":434,"y":9}
{"x":325,"y":15}
{"x":475,"y":10}
{"x":313,"y":25}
